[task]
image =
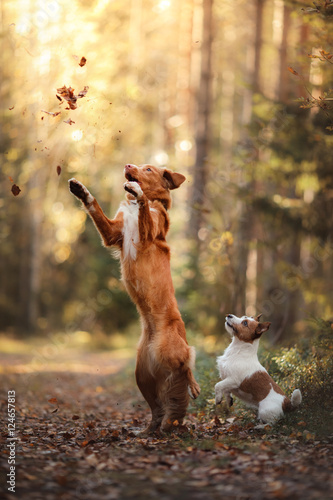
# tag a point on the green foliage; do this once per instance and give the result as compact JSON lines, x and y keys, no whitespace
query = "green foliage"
{"x":308,"y":366}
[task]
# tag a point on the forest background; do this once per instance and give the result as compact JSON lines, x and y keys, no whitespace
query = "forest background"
{"x":234,"y":95}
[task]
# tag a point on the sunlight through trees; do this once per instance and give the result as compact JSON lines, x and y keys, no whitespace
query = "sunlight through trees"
{"x":233,"y":94}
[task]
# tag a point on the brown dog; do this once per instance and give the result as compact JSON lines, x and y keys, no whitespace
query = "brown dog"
{"x":165,"y":360}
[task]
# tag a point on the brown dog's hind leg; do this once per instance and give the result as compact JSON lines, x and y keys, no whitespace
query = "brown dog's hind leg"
{"x":148,"y":387}
{"x":175,"y":401}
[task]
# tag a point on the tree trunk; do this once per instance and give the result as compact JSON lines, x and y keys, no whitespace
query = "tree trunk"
{"x":202,"y":123}
{"x":282,"y":90}
{"x":247,"y":229}
{"x":258,"y":45}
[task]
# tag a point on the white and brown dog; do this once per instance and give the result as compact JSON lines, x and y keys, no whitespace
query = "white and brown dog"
{"x":243,"y":376}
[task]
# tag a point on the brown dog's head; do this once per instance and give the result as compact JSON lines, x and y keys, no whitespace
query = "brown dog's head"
{"x":245,"y":328}
{"x":155,"y":182}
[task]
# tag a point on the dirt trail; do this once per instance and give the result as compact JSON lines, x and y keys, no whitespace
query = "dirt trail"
{"x":76,"y":424}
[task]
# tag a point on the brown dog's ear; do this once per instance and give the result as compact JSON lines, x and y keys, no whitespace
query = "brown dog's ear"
{"x":174,"y":179}
{"x":257,"y":318}
{"x":262,"y":327}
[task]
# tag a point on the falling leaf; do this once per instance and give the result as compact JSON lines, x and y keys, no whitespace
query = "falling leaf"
{"x":67,"y":93}
{"x":54,"y":411}
{"x":75,"y":417}
{"x":292,"y":71}
{"x":58,"y":169}
{"x":83,"y":61}
{"x":10,"y":109}
{"x":59,"y":98}
{"x":53,"y":401}
{"x":15,"y":190}
{"x":49,"y":113}
{"x":69,"y":121}
{"x":83,"y":92}
{"x":11,"y":179}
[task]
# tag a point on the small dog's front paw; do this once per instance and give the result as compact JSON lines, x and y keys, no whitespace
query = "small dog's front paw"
{"x":134,"y":189}
{"x":218,"y":394}
{"x":80,"y":191}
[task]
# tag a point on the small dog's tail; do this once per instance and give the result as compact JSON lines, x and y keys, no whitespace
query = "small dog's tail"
{"x":292,"y":403}
{"x":296,"y":398}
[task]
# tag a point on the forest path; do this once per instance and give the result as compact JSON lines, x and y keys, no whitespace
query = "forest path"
{"x":76,"y":422}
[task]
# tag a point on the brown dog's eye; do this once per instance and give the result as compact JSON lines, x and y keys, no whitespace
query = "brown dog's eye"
{"x":148,"y":169}
{"x":245,"y":323}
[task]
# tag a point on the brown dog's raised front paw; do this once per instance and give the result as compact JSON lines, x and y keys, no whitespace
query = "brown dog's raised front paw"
{"x":80,"y":191}
{"x":134,"y":189}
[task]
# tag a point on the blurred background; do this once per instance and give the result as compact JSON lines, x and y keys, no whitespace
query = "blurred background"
{"x":234,"y":94}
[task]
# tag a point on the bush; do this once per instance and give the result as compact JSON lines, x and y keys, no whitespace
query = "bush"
{"x":308,"y":367}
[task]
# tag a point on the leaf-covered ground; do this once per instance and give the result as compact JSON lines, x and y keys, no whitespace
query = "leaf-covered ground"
{"x":77,"y":423}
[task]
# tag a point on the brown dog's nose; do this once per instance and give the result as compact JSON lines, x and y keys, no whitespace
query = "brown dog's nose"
{"x":128,"y":166}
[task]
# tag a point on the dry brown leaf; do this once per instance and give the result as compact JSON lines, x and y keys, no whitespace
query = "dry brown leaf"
{"x":51,"y":114}
{"x":292,"y":71}
{"x":67,"y":93}
{"x":15,"y":190}
{"x":82,"y":62}
{"x":83,"y":92}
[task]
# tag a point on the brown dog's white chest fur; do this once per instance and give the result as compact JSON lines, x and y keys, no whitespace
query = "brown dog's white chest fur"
{"x":243,"y":375}
{"x":130,"y":211}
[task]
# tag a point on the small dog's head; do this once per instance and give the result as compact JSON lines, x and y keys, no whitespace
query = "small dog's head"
{"x":155,"y":182}
{"x":245,"y":328}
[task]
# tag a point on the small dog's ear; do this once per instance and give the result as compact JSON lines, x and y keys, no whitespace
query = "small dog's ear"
{"x":174,"y":180}
{"x":262,"y":327}
{"x":257,"y":318}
